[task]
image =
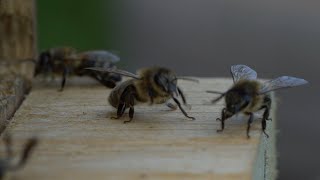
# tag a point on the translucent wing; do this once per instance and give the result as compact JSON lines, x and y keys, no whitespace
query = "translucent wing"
{"x":115,"y":71}
{"x":242,"y":72}
{"x":281,"y":82}
{"x":101,"y":55}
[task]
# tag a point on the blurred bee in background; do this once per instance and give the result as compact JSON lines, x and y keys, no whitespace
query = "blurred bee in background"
{"x":153,"y":85}
{"x":66,"y":61}
{"x":52,"y":60}
{"x":247,"y":95}
{"x":6,"y":164}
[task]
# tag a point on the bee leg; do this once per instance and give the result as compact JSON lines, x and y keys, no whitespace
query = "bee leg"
{"x":64,"y":77}
{"x":151,"y":95}
{"x":264,"y":125}
{"x":182,"y":110}
{"x":249,"y":124}
{"x":131,"y":110}
{"x":183,"y":98}
{"x":266,"y":106}
{"x":264,"y":120}
{"x":120,"y":110}
{"x":222,"y":119}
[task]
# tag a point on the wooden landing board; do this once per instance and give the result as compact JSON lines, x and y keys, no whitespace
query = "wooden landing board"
{"x":80,"y":141}
{"x":12,"y":91}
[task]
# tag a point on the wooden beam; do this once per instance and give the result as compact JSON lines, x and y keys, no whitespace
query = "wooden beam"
{"x":18,"y":34}
{"x":12,"y":92}
{"x":17,"y":43}
{"x":80,"y":141}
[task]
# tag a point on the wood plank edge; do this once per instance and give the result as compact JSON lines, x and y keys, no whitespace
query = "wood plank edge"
{"x":10,"y":104}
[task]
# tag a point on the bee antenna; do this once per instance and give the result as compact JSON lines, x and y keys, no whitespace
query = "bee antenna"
{"x":216,"y":92}
{"x":218,"y":98}
{"x":188,"y":79}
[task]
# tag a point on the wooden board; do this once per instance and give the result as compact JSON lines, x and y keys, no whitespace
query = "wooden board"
{"x":12,"y":92}
{"x":18,"y":34}
{"x":80,"y":141}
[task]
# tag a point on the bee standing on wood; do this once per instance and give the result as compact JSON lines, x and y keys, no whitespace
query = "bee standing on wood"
{"x":65,"y":60}
{"x":247,"y":95}
{"x":6,"y":164}
{"x":154,"y":85}
{"x":52,"y":60}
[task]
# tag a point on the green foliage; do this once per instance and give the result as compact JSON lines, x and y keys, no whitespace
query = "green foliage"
{"x":81,"y":24}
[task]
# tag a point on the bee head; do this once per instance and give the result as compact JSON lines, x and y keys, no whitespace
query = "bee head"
{"x":167,"y":81}
{"x":236,"y":101}
{"x":43,"y":63}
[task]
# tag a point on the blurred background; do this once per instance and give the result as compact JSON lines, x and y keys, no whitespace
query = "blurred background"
{"x":203,"y":38}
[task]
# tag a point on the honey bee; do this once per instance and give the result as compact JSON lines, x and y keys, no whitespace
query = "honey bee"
{"x":154,"y":85}
{"x":52,"y":60}
{"x":66,"y":61}
{"x":6,"y":164}
{"x":247,"y":95}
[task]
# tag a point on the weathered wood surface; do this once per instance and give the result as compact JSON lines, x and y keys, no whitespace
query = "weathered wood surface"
{"x":17,"y":43}
{"x":80,"y":141}
{"x":17,"y":34}
{"x":12,"y":92}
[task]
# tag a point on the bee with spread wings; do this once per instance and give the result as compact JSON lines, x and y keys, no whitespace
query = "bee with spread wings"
{"x":153,"y":85}
{"x":247,"y":95}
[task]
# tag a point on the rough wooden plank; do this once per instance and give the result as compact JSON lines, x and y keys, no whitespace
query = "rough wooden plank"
{"x":12,"y":91}
{"x":17,"y":43}
{"x":17,"y":33}
{"x":80,"y":141}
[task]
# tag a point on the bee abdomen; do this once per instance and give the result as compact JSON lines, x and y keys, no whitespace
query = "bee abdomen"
{"x":114,"y":99}
{"x":116,"y":93}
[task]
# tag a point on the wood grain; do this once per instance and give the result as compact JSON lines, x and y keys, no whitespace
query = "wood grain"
{"x":18,"y":34}
{"x":80,"y":141}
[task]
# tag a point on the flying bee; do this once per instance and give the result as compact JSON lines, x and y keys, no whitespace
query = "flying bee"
{"x":154,"y":85}
{"x":6,"y":164}
{"x":66,"y":61}
{"x":247,"y":95}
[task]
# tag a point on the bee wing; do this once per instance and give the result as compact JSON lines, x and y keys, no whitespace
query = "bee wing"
{"x":242,"y":72}
{"x":101,"y":55}
{"x":281,"y":82}
{"x":115,"y":71}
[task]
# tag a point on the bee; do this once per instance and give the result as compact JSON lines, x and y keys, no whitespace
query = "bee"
{"x":6,"y":164}
{"x":247,"y":95}
{"x":154,"y":85}
{"x":52,"y":60}
{"x":66,"y":61}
